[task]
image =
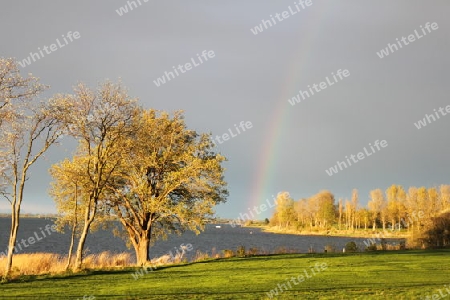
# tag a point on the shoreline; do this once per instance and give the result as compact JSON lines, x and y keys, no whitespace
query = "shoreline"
{"x":351,"y":234}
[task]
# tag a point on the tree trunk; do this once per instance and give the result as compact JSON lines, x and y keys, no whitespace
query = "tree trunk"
{"x":351,"y":221}
{"x":89,"y":218}
{"x":142,"y":250}
{"x":74,"y":227}
{"x":12,"y":242}
{"x":69,"y":257}
{"x":15,"y":218}
{"x":79,"y":257}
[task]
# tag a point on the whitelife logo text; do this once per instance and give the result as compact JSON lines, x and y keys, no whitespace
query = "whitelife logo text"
{"x":391,"y":48}
{"x":243,"y":126}
{"x":340,"y":165}
{"x":265,"y":24}
{"x":184,"y":68}
{"x":34,"y":56}
{"x":339,"y":76}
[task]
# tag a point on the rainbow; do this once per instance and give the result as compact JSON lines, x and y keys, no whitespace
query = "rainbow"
{"x":263,"y":190}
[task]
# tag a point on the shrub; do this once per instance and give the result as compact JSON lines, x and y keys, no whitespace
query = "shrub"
{"x":330,"y":248}
{"x":214,"y":253}
{"x":371,"y":247}
{"x":228,"y":253}
{"x":351,"y":247}
{"x":201,"y":256}
{"x":253,"y":251}
{"x":281,"y":250}
{"x":384,"y":244}
{"x":436,"y":234}
{"x":240,"y":252}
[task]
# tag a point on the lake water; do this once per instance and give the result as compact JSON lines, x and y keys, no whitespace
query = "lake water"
{"x":219,"y":239}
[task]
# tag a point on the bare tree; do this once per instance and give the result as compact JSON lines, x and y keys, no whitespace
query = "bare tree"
{"x":25,"y":136}
{"x":15,"y":89}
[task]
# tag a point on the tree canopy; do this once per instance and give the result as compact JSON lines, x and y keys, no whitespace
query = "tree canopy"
{"x":143,"y":167}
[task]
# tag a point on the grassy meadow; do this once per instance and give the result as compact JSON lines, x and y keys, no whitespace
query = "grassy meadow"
{"x":372,"y":275}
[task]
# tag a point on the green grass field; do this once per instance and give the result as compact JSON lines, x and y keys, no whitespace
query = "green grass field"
{"x":378,"y":275}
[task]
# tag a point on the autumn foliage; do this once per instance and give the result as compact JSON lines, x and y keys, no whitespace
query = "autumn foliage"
{"x":422,"y":213}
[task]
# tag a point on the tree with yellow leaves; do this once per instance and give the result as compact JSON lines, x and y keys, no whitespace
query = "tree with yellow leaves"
{"x":377,"y":204}
{"x":169,"y":180}
{"x":101,"y":121}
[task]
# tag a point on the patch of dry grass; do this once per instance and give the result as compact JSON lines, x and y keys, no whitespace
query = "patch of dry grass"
{"x":34,"y":264}
{"x":49,"y":263}
{"x":105,"y":260}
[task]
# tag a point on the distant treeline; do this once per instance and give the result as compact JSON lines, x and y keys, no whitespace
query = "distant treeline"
{"x":422,"y":211}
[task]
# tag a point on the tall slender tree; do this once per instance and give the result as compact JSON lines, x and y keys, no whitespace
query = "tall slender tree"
{"x":326,"y":209}
{"x":392,"y":204}
{"x":24,"y":138}
{"x":444,"y":192}
{"x":376,"y":206}
{"x":354,"y":207}
{"x":101,"y":122}
{"x":69,"y":190}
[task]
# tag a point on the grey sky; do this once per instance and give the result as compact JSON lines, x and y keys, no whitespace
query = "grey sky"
{"x":252,"y":77}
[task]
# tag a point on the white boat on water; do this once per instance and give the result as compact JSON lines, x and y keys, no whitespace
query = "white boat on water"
{"x":218,"y":226}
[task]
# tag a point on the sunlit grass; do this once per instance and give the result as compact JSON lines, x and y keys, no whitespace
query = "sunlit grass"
{"x":374,"y":275}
